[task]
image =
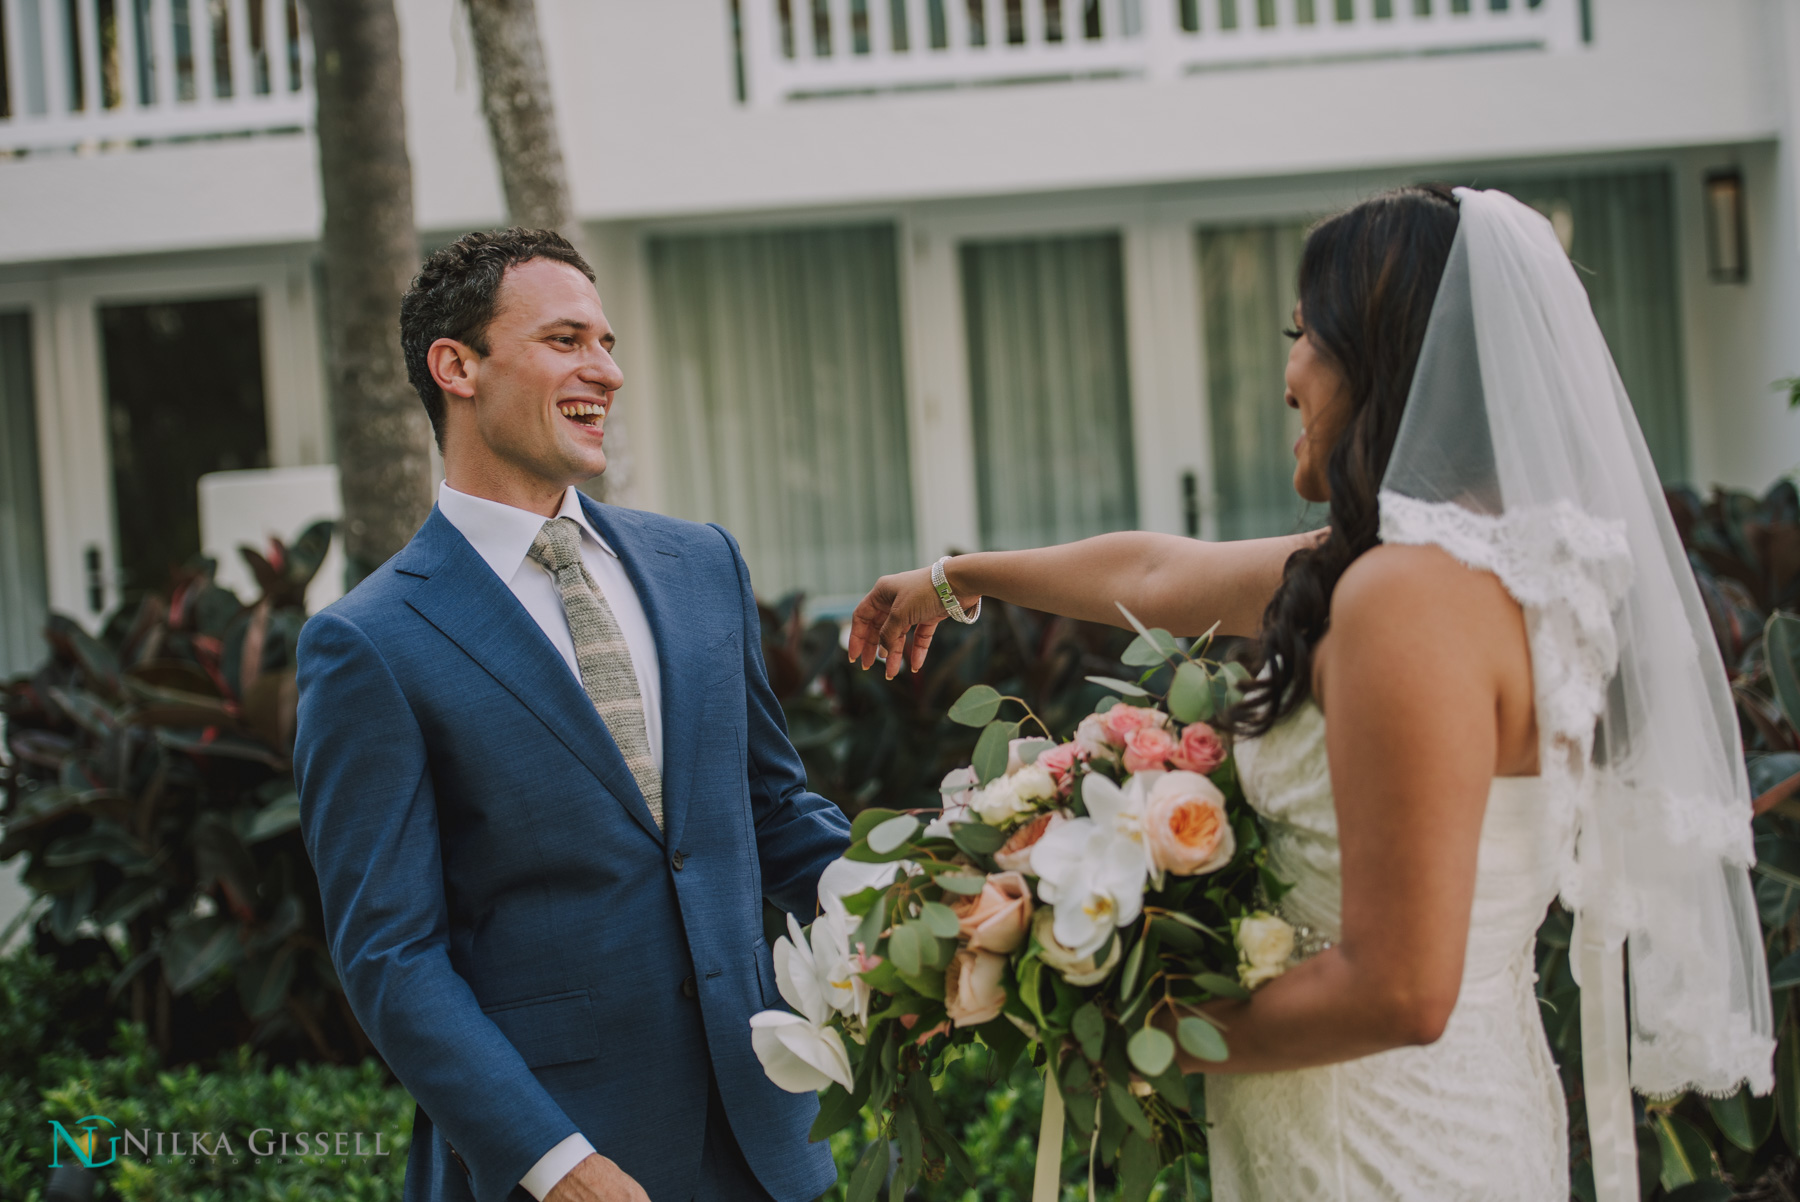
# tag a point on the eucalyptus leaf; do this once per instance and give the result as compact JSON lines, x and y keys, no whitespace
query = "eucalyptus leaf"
{"x":903,"y":949}
{"x":1151,"y":1051}
{"x":964,"y":883}
{"x":1201,"y":1039}
{"x":1138,"y":1166}
{"x":1220,"y":986}
{"x":1190,"y":694}
{"x":940,"y":920}
{"x":1134,"y":964}
{"x":867,"y":820}
{"x":977,"y":838}
{"x":1122,"y":687}
{"x":991,"y":750}
{"x":1127,"y":1107}
{"x":977,"y":706}
{"x":1150,"y":650}
{"x":893,"y":834}
{"x":1089,"y":1029}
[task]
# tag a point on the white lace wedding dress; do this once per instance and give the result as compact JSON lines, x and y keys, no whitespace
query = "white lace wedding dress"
{"x":1477,"y":1115}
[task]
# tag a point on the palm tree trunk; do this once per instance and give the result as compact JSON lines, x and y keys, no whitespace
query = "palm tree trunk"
{"x":521,"y":120}
{"x":371,"y":254}
{"x":521,"y":115}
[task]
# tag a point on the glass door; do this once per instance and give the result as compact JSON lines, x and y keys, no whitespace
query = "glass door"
{"x":183,"y":397}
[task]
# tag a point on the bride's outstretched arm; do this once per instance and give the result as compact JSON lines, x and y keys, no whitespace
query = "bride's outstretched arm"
{"x":1426,"y":684}
{"x":1180,"y":584}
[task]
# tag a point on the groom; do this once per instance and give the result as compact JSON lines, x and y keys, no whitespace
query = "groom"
{"x":547,"y":788}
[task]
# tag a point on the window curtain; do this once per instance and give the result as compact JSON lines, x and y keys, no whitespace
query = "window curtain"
{"x":782,"y":402}
{"x":1049,"y":388}
{"x":1619,"y":229}
{"x":24,"y":587}
{"x":1247,"y":277}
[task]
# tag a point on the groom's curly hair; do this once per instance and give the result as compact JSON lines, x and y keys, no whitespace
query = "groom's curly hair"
{"x":457,"y":293}
{"x":1368,"y":277}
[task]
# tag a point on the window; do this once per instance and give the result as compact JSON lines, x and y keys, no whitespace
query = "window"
{"x":1049,"y":389}
{"x":783,"y":400}
{"x":1247,"y":277}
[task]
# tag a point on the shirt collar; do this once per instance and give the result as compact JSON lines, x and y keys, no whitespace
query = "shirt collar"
{"x":502,"y":534}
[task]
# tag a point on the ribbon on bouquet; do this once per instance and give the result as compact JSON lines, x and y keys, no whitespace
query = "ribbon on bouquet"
{"x":1046,"y":1179}
{"x":1605,"y":1065}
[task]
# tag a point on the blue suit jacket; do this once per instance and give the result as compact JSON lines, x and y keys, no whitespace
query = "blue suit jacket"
{"x":513,"y":931}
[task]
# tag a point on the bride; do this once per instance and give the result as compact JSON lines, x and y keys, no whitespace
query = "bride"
{"x":1486,"y":683}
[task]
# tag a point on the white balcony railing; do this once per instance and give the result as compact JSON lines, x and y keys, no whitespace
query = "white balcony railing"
{"x":84,"y":73}
{"x":796,"y":49}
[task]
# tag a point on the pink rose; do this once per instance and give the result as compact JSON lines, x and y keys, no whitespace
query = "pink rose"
{"x":972,"y":991}
{"x":1201,"y":750}
{"x":996,"y":920}
{"x":1091,"y":740}
{"x":1015,"y":854}
{"x":1185,"y":823}
{"x":1148,"y":749}
{"x":1059,"y":762}
{"x":1122,"y":720}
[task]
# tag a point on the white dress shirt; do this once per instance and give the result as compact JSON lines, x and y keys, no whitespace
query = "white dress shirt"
{"x":502,"y":535}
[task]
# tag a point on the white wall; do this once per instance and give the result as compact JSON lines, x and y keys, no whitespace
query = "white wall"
{"x":652,"y":127}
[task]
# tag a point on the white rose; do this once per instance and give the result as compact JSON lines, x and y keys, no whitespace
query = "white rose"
{"x":959,"y":787}
{"x":997,"y":804}
{"x":1032,"y":783}
{"x":1265,"y":945}
{"x":1091,"y":739}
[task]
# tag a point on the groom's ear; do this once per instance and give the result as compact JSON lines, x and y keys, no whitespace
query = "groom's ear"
{"x":454,"y":365}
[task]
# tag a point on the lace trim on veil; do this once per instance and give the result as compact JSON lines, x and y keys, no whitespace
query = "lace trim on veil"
{"x":1570,"y":572}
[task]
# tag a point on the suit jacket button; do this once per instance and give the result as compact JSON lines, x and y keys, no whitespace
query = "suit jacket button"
{"x":689,"y":989}
{"x":677,"y":860}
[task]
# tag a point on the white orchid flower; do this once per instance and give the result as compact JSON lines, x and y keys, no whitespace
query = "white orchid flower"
{"x":799,"y":1056}
{"x":1093,"y":870}
{"x":816,"y":976}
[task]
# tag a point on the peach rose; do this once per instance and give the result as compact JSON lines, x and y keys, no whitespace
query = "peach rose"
{"x":1121,"y":720}
{"x":1148,"y":748}
{"x":1200,"y":750}
{"x":1059,"y":762}
{"x":1015,"y":854}
{"x":1186,"y":826}
{"x":996,"y":920}
{"x":972,"y":991}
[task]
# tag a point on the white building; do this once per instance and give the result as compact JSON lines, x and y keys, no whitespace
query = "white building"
{"x":890,"y":276}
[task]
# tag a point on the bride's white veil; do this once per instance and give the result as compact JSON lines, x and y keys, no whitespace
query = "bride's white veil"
{"x":1519,"y":453}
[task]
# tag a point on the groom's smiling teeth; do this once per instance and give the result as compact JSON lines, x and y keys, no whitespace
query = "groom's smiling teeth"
{"x":585,"y":412}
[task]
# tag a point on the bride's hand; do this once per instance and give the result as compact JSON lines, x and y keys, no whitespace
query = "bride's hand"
{"x":902,"y":604}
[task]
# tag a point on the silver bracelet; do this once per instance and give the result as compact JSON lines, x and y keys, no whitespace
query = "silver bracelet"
{"x":947,"y":595}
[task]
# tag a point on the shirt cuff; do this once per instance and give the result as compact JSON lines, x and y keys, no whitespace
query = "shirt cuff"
{"x":556,"y":1164}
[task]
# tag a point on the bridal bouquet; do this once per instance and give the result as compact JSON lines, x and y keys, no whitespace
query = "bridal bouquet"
{"x":1066,"y":897}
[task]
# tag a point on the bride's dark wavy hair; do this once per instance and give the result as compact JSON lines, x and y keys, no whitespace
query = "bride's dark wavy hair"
{"x":1368,"y":277}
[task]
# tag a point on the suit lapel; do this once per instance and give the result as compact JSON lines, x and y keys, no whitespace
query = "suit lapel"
{"x":460,"y":595}
{"x":659,"y":576}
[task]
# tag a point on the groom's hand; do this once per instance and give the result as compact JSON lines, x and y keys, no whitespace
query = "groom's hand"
{"x":597,"y":1179}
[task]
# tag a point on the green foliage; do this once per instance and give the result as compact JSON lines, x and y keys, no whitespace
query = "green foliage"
{"x":149,"y":790}
{"x":868,"y":741}
{"x":46,"y":1073}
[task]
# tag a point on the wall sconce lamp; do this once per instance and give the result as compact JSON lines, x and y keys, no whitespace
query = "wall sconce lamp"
{"x":1727,"y":258}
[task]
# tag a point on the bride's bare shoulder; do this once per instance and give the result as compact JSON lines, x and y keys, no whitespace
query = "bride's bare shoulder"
{"x":1427,"y":588}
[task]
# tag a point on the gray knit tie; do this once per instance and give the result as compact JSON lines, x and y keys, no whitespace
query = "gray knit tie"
{"x":601,"y":653}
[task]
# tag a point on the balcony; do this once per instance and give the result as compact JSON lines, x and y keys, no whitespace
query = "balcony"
{"x":793,"y":50}
{"x":89,"y":74}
